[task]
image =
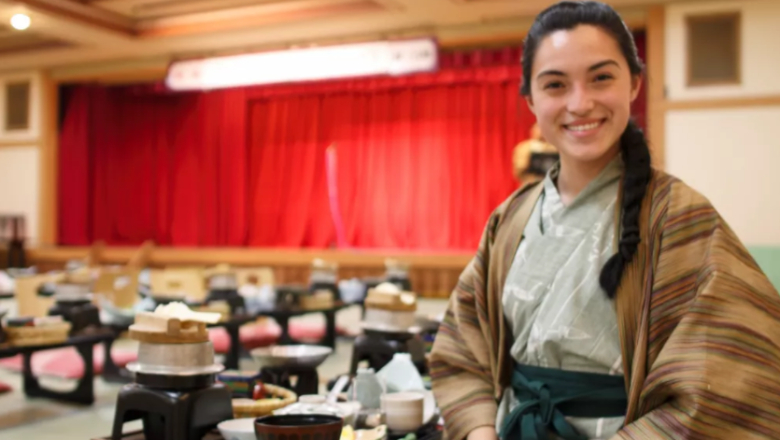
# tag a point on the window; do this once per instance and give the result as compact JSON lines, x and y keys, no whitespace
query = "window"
{"x":17,"y":105}
{"x":714,"y":49}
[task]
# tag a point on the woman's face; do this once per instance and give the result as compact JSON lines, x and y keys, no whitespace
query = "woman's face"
{"x":581,"y":93}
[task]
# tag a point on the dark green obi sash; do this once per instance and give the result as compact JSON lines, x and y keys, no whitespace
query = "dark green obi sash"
{"x":548,"y":395}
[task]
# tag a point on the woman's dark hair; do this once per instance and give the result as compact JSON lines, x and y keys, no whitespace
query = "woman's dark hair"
{"x":567,"y":15}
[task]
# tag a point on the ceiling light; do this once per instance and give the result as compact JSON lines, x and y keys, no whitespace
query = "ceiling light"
{"x":20,"y":22}
{"x":309,"y":64}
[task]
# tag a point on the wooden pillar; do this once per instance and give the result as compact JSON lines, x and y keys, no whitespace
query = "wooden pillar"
{"x":656,"y":84}
{"x":48,"y":153}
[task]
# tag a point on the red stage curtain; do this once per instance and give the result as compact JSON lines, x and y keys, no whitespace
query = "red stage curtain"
{"x":422,"y":160}
{"x":420,"y":165}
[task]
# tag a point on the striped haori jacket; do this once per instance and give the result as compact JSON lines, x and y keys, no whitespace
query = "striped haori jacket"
{"x":699,"y":326}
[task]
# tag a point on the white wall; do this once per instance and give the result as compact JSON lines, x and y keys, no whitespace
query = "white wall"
{"x":759,"y":49}
{"x":19,"y":181}
{"x":20,"y":157}
{"x":732,"y":156}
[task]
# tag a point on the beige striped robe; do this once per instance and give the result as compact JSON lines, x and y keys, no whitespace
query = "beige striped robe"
{"x":699,"y":326}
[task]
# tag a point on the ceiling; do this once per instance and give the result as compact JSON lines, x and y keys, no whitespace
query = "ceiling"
{"x":75,"y":37}
{"x":13,"y":41}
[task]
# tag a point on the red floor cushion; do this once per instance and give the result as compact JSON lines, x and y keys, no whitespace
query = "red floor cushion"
{"x":251,"y":335}
{"x":66,"y":362}
{"x":265,"y":334}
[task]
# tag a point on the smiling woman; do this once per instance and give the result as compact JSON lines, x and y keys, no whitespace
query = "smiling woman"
{"x":609,"y":300}
{"x":580,"y":86}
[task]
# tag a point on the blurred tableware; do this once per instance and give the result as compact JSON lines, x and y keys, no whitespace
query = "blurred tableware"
{"x":238,"y":429}
{"x":314,"y":404}
{"x":352,"y":290}
{"x":258,"y":298}
{"x":299,"y":427}
{"x":400,"y":374}
{"x":378,"y":433}
{"x":291,"y":355}
{"x":404,"y":411}
{"x":6,"y":283}
{"x":369,"y":418}
{"x":341,"y":384}
{"x":112,"y":315}
{"x":367,"y":388}
{"x":429,"y":406}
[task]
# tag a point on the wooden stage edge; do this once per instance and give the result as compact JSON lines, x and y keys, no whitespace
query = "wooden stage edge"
{"x":433,"y":275}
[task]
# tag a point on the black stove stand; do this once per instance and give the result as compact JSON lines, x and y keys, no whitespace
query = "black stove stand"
{"x":182,"y":414}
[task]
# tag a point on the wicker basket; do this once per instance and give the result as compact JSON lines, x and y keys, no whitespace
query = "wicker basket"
{"x":43,"y":335}
{"x":247,"y":408}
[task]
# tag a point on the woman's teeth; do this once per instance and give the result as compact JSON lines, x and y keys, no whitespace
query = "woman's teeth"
{"x":585,"y":127}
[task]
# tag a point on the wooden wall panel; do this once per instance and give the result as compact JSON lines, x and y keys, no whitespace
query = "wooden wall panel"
{"x":432,"y":275}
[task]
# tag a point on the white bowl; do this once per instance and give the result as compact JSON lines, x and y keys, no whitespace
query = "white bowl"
{"x":404,"y":412}
{"x":238,"y":429}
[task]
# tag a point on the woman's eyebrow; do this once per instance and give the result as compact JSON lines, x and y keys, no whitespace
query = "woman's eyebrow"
{"x":596,"y":66}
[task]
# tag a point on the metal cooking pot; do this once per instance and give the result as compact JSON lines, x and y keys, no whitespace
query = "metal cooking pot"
{"x":175,"y":359}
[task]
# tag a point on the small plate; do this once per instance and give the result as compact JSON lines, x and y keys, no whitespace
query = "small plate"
{"x":390,"y":330}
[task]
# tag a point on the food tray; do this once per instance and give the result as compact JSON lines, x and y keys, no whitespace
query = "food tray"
{"x":43,"y":335}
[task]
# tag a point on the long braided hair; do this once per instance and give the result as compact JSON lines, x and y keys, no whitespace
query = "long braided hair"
{"x":567,"y":15}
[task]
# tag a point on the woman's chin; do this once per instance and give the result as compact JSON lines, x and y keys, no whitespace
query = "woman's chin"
{"x":588,"y":155}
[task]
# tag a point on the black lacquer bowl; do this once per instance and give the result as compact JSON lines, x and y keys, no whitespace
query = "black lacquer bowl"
{"x":299,"y":427}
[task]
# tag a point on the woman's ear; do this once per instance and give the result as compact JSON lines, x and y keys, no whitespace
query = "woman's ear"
{"x":530,"y":101}
{"x":636,"y":86}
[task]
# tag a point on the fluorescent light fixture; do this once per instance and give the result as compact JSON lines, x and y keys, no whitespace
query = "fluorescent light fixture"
{"x":20,"y":22}
{"x":312,"y":64}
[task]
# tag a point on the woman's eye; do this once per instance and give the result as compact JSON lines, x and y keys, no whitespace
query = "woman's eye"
{"x":553,"y":85}
{"x":603,"y":77}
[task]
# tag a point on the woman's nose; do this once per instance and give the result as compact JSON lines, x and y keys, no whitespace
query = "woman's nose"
{"x":580,"y":101}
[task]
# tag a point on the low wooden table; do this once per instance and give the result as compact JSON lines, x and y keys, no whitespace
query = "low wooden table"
{"x":282,"y":317}
{"x":84,"y":345}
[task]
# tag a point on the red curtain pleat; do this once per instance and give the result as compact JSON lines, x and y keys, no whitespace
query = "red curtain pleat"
{"x":74,"y":219}
{"x":421,"y":160}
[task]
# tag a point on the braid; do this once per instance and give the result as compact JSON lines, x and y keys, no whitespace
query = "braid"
{"x":636,"y":157}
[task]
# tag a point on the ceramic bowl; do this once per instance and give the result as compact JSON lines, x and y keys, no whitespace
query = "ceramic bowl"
{"x":404,"y":412}
{"x":238,"y":429}
{"x":299,"y":427}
